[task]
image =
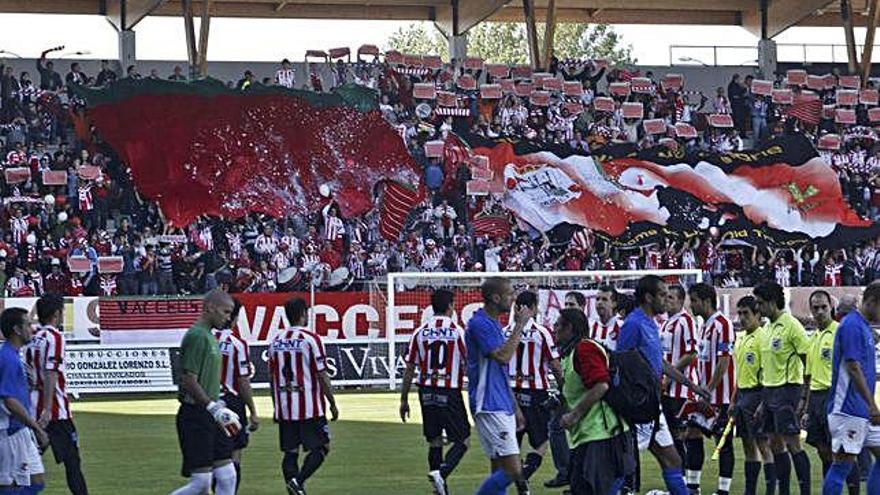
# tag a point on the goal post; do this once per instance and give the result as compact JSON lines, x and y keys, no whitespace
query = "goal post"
{"x":408,"y":294}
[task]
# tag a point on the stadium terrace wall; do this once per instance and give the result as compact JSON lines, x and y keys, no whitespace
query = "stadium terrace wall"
{"x":130,"y":344}
{"x":697,"y":78}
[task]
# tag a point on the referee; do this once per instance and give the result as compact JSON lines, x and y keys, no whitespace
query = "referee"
{"x":817,"y":376}
{"x":783,"y":353}
{"x":205,"y":426}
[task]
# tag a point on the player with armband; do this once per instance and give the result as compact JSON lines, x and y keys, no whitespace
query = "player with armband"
{"x":205,"y":426}
{"x":437,"y":350}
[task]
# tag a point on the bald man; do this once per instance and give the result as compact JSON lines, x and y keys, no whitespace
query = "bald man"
{"x":205,"y":426}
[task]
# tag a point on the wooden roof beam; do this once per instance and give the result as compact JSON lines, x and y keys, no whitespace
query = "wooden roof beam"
{"x":782,"y":14}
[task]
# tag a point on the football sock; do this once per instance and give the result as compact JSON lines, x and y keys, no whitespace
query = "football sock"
{"x":533,"y":462}
{"x":674,"y":481}
{"x":802,"y":467}
{"x":453,"y":457}
{"x":237,"y":475}
{"x":496,"y":483}
{"x":289,"y":467}
{"x":836,"y":477}
{"x":34,"y":489}
{"x":753,"y":469}
{"x":225,"y":476}
{"x":435,"y":458}
{"x":783,"y":472}
{"x":874,"y":478}
{"x":311,"y":464}
{"x":693,"y":462}
{"x":76,"y":482}
{"x":726,"y":462}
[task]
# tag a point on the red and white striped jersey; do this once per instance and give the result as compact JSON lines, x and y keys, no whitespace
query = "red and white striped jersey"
{"x":86,"y":201}
{"x":19,"y":229}
{"x":652,"y":259}
{"x":431,"y":259}
{"x":833,"y":275}
{"x":782,"y":273}
{"x":678,"y":338}
{"x":530,"y":366}
{"x":438,"y":351}
{"x":235,"y":360}
{"x":46,"y":353}
{"x":266,"y":244}
{"x":333,"y":228}
{"x":717,"y":341}
{"x":285,"y":77}
{"x":296,"y":357}
{"x":606,"y":333}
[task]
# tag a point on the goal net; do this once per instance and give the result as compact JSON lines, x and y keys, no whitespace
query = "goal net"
{"x":407,"y":297}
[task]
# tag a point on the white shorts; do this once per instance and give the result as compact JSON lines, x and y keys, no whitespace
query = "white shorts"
{"x":645,"y":433}
{"x":497,"y":432}
{"x":19,"y":458}
{"x":850,"y":434}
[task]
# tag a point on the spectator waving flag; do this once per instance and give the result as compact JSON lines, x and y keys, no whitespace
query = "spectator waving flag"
{"x":455,"y":151}
{"x":398,"y":201}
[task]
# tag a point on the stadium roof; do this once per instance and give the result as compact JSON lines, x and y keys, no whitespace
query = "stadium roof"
{"x":781,"y":14}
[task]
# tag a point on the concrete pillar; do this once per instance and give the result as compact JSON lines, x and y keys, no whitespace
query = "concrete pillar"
{"x":126,"y":49}
{"x":767,"y":58}
{"x":458,"y":47}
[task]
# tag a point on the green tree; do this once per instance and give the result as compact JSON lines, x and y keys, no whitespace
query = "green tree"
{"x":596,"y":41}
{"x":507,"y":43}
{"x":419,"y":38}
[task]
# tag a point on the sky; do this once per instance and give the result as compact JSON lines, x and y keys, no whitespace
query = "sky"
{"x":162,"y":38}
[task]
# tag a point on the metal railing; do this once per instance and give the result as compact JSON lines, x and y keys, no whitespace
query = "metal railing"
{"x":744,"y":55}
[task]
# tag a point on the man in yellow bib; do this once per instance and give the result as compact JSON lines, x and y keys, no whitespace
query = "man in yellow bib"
{"x":748,"y":397}
{"x":783,"y":355}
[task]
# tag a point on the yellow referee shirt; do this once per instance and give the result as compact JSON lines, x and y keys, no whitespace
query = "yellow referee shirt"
{"x":783,"y":342}
{"x":819,"y":357}
{"x":747,"y":359}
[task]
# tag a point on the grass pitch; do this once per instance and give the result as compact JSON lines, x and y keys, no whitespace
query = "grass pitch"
{"x":129,"y":446}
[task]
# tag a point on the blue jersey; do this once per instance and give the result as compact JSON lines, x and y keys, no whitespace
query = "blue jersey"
{"x":854,"y":341}
{"x":488,"y":386}
{"x":640,"y":332}
{"x":14,"y":384}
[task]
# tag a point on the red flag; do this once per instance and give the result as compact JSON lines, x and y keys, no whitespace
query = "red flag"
{"x":455,"y":151}
{"x":491,"y":225}
{"x":809,"y":112}
{"x":397,"y":203}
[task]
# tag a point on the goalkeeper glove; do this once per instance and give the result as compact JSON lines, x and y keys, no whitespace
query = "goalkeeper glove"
{"x":226,"y":418}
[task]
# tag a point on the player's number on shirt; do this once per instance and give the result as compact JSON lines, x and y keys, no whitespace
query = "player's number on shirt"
{"x":439,"y":355}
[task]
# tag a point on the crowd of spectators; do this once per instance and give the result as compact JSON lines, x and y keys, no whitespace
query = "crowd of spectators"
{"x":97,"y":212}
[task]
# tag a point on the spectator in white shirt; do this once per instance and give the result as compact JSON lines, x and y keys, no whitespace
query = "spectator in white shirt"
{"x":285,"y":76}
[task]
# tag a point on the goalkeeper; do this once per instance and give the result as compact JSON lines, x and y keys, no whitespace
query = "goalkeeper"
{"x":205,"y":426}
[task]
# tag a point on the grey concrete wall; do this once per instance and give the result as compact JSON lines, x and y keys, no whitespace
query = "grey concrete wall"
{"x":697,"y":78}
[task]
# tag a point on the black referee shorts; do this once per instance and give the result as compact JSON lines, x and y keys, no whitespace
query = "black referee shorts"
{"x":780,"y":409}
{"x":532,"y":403}
{"x":63,"y":439}
{"x":747,"y":402}
{"x":817,"y":419}
{"x":236,"y":405}
{"x":443,"y":410}
{"x":312,"y":433}
{"x":202,"y":443}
